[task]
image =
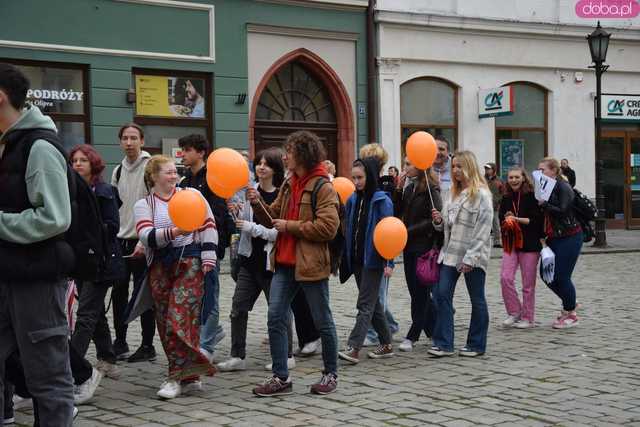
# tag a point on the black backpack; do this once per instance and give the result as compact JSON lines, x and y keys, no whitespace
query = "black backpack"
{"x":87,"y":234}
{"x":336,"y":245}
{"x":585,"y":212}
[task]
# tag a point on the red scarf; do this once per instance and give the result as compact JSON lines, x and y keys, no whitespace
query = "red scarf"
{"x":286,"y":243}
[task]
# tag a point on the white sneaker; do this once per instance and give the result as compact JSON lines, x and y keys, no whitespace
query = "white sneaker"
{"x":233,"y":364}
{"x":191,"y":387}
{"x":169,"y":390}
{"x":310,"y":348}
{"x":369,"y":343}
{"x":407,"y":345}
{"x":84,"y":392}
{"x":523,"y":324}
{"x":509,"y":321}
{"x":291,"y":364}
{"x":109,"y":370}
{"x":208,"y":355}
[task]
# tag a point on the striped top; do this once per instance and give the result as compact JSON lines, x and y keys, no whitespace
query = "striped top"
{"x":154,"y":228}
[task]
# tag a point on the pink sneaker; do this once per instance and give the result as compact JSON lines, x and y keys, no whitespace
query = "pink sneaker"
{"x":569,"y":320}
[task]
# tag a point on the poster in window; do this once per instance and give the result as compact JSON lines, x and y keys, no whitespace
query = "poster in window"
{"x":511,"y":154}
{"x":163,"y":96}
{"x":55,"y":90}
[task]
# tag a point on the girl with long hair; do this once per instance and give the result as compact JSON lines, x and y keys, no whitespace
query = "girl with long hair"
{"x":521,"y":225}
{"x":177,"y":261}
{"x":466,"y":220}
{"x":564,"y":237}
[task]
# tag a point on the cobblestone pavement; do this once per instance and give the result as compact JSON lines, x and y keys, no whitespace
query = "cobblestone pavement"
{"x":583,"y":376}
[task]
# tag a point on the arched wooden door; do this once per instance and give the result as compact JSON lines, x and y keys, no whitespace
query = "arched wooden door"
{"x":293,"y":100}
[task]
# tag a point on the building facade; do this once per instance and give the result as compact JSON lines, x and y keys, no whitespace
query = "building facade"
{"x":444,"y":66}
{"x":242,"y":72}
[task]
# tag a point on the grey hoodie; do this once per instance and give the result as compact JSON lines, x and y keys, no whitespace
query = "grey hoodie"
{"x":131,"y":188}
{"x":47,"y":188}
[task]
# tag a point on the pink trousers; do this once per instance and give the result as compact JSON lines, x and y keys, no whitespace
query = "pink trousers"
{"x":528,"y":262}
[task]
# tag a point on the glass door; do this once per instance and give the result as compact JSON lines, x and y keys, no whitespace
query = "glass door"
{"x":613,"y":176}
{"x":633,"y":180}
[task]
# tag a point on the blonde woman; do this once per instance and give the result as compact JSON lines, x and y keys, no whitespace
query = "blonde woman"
{"x":466,"y":220}
{"x":177,"y":262}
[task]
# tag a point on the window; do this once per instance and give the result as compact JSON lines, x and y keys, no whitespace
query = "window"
{"x":525,"y":129}
{"x":60,"y":91}
{"x":431,"y":105}
{"x":172,"y":104}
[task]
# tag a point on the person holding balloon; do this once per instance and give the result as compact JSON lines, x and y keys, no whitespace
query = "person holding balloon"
{"x":466,"y":220}
{"x":179,"y":235}
{"x":364,"y":210}
{"x":301,"y":258}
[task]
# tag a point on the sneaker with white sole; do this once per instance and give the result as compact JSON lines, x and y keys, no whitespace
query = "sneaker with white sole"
{"x":291,"y":364}
{"x":109,"y":370}
{"x":407,"y":345}
{"x":170,"y":389}
{"x":274,"y":386}
{"x":191,"y":387}
{"x":510,"y":321}
{"x":311,"y":348}
{"x":467,"y":352}
{"x":350,"y":354}
{"x":85,"y":391}
{"x":523,"y":324}
{"x":233,"y":364}
{"x":208,"y":355}
{"x":439,"y":352}
{"x":567,"y":321}
{"x":381,"y":352}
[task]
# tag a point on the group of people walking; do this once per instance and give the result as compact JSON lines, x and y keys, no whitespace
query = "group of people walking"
{"x":293,"y":234}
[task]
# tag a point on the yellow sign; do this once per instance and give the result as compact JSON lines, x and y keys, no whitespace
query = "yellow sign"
{"x":164,"y":96}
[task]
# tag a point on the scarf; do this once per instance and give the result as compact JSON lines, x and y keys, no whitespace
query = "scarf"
{"x":512,"y":238}
{"x":286,"y":242}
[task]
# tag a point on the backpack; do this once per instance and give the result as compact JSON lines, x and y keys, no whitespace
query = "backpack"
{"x":87,"y":234}
{"x":336,"y":245}
{"x":585,"y":212}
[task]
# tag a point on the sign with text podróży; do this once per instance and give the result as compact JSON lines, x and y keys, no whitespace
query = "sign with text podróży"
{"x":621,"y":107}
{"x":495,"y":102}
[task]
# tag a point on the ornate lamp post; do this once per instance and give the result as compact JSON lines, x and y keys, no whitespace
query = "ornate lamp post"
{"x":598,"y":45}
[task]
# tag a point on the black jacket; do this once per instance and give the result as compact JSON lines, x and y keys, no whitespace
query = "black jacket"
{"x":109,"y":203}
{"x":570,"y":174}
{"x":559,"y":211}
{"x":224,"y":222}
{"x":526,"y":208}
{"x":415,"y":211}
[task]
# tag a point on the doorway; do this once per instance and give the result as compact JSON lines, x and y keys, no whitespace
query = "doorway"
{"x":621,"y":178}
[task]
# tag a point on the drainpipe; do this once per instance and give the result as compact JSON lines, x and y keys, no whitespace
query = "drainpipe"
{"x":371,"y":73}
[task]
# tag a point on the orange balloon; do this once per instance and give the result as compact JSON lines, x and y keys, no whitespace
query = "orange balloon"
{"x":187,"y":210}
{"x":344,"y":187}
{"x":219,"y":190}
{"x":227,"y":168}
{"x":421,"y":149}
{"x":390,"y":237}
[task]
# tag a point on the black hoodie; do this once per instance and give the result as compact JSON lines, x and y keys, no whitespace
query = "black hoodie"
{"x":363,"y":202}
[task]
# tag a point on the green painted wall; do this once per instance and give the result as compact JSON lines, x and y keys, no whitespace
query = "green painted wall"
{"x":114,"y":24}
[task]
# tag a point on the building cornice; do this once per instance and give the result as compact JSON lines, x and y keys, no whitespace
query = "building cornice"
{"x":301,"y":32}
{"x":348,"y":5}
{"x":496,"y":26}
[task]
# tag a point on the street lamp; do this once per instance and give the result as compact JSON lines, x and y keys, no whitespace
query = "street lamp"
{"x":598,"y":45}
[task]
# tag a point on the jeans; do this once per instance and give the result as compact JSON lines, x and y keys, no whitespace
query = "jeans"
{"x":120,"y":297}
{"x":92,"y":322}
{"x":423,"y":312}
{"x":528,"y":262}
{"x":248,"y":288}
{"x":443,"y":298}
{"x":305,"y":329}
{"x":210,"y":328}
{"x":383,"y":297}
{"x":283,"y":289}
{"x":370,"y":311}
{"x":567,"y":250}
{"x":33,"y":322}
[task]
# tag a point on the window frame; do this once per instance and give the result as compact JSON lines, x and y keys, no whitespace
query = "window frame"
{"x":456,"y":117}
{"x":85,"y":117}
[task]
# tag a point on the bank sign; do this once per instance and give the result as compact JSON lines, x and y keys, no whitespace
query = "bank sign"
{"x":621,"y":108}
{"x":495,"y":102}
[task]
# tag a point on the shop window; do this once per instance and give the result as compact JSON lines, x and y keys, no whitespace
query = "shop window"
{"x":521,"y":138}
{"x":60,"y":91}
{"x":431,"y":105}
{"x":172,"y":104}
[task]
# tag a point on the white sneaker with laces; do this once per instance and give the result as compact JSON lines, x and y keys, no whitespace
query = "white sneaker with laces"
{"x":85,"y":391}
{"x":169,"y":390}
{"x":510,"y":321}
{"x":233,"y":364}
{"x":208,"y":355}
{"x":407,"y":345}
{"x":191,"y":387}
{"x":523,"y":324}
{"x":291,"y":364}
{"x":310,"y":348}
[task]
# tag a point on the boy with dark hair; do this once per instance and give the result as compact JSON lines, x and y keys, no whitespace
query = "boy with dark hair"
{"x":35,"y":212}
{"x":195,"y":149}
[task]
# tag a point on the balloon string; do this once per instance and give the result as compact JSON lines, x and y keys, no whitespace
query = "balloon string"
{"x":429,"y":189}
{"x":265,"y":210}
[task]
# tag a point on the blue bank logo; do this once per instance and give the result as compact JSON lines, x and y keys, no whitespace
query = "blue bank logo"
{"x":615,"y":106}
{"x":493,"y":101}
